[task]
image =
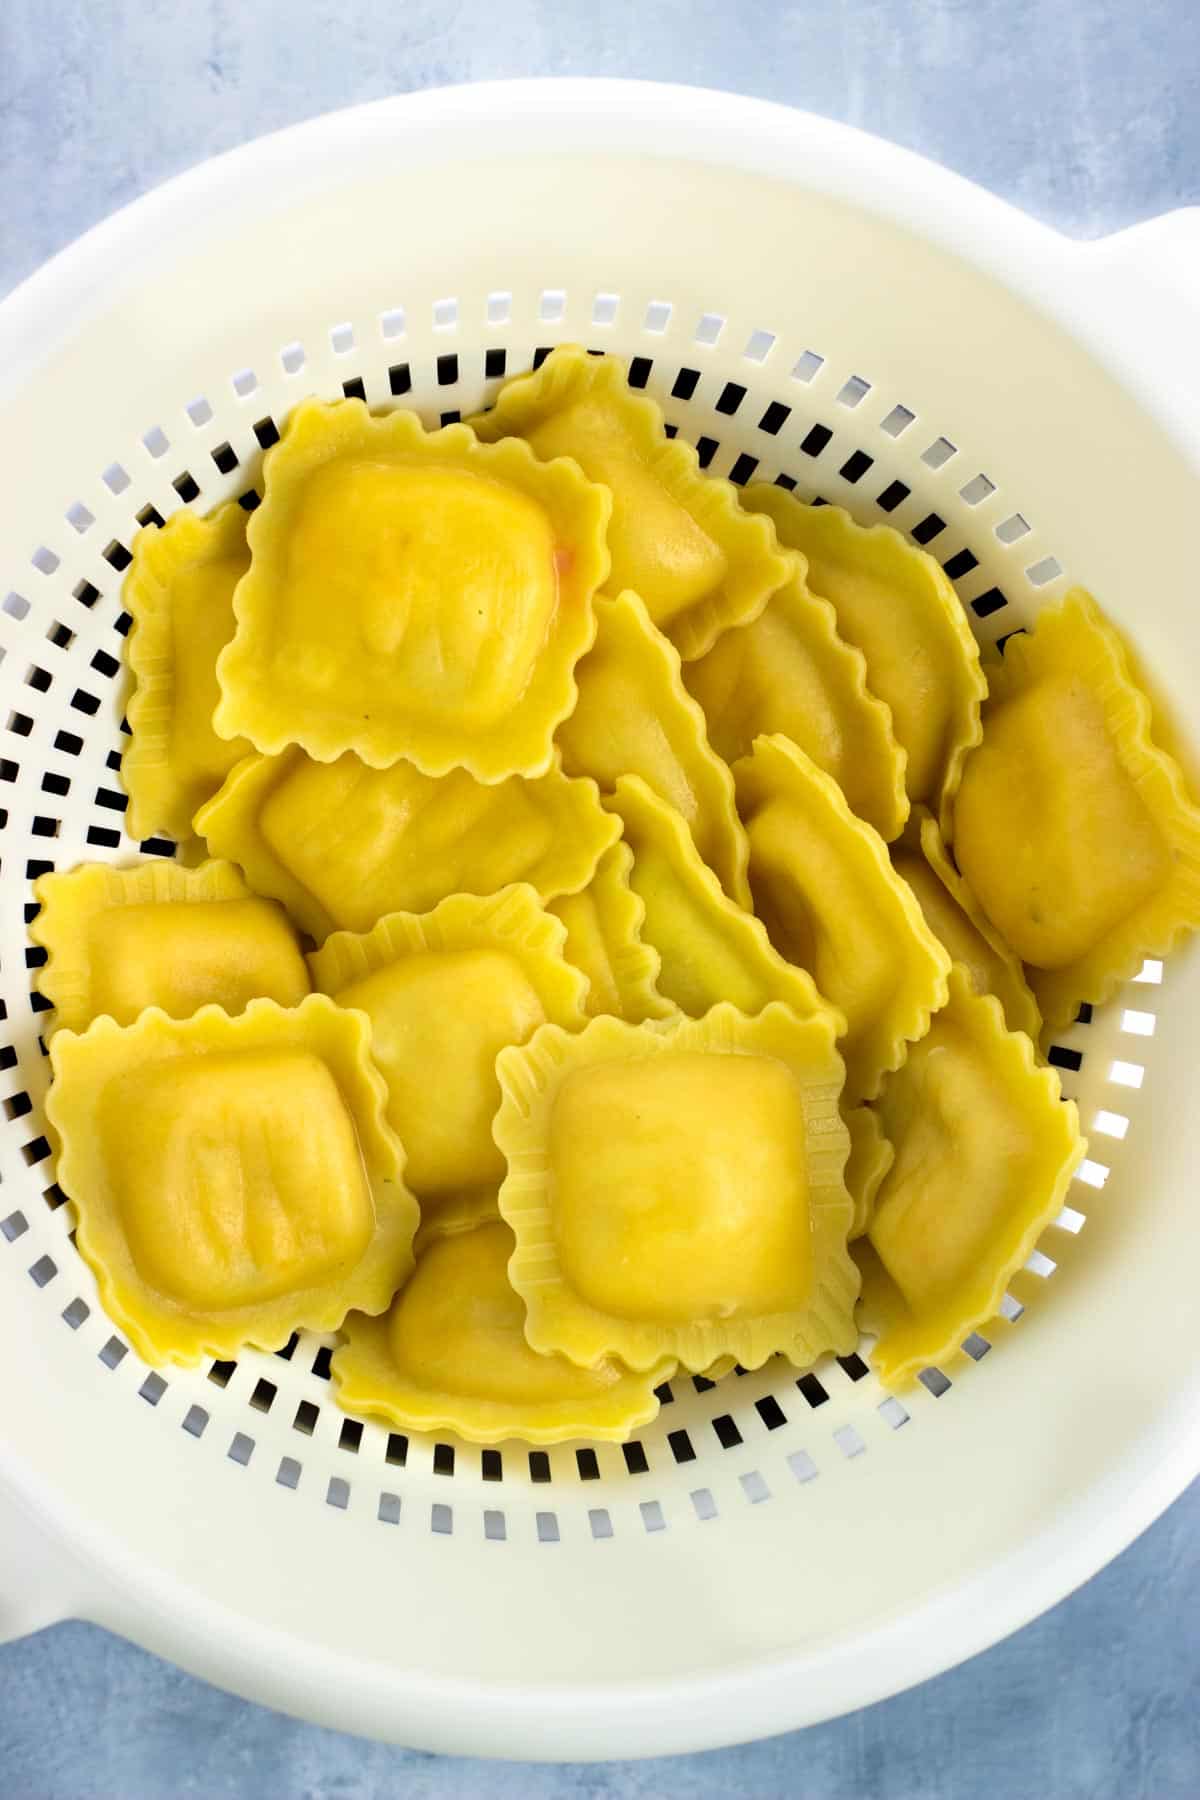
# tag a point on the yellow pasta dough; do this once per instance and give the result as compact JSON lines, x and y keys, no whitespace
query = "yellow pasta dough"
{"x":120,"y":940}
{"x":341,"y":844}
{"x":445,"y":991}
{"x":452,"y":1356}
{"x":679,"y":538}
{"x":833,"y":905}
{"x":870,"y":1158}
{"x":985,"y":1149}
{"x":604,"y":941}
{"x":956,"y":919}
{"x":676,"y":1189}
{"x":210,"y":1219}
{"x":709,"y":949}
{"x":1073,"y":828}
{"x":791,"y":672}
{"x":455,"y":1213}
{"x":896,"y":605}
{"x":179,"y":595}
{"x":412,"y":594}
{"x":635,"y":717}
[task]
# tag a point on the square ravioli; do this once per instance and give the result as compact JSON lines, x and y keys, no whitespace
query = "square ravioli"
{"x":834,"y":905}
{"x":445,"y":992}
{"x":209,"y":1129}
{"x":452,"y":1356}
{"x":985,"y":1148}
{"x":179,"y":595}
{"x":120,"y":940}
{"x":708,"y":948}
{"x":790,"y":671}
{"x":209,"y":1220}
{"x":624,"y":1245}
{"x":678,"y":537}
{"x":870,"y":1158}
{"x":605,"y":942}
{"x":957,"y":920}
{"x":1073,"y":826}
{"x":895,"y":603}
{"x":635,"y":717}
{"x":676,"y":1189}
{"x":341,"y":844}
{"x":412,"y":594}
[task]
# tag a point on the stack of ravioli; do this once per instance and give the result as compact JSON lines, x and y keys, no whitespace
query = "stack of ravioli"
{"x":615,"y":922}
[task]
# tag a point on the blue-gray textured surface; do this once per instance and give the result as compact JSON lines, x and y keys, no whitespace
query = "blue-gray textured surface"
{"x":1087,"y":114}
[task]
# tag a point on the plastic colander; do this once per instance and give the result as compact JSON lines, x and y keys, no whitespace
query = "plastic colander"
{"x":804,"y":301}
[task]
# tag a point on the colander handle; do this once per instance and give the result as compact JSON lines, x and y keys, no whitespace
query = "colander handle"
{"x":1147,"y":278}
{"x":40,"y":1582}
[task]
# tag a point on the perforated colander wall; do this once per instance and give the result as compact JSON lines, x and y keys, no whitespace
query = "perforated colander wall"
{"x":756,"y":406}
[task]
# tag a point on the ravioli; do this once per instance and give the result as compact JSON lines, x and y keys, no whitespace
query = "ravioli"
{"x":895,"y":604}
{"x":870,"y":1158}
{"x":604,"y":941}
{"x":179,"y":595}
{"x":678,"y":537}
{"x":833,"y":905}
{"x":445,"y":992}
{"x":341,"y":844}
{"x":985,"y":1150}
{"x":120,"y":940}
{"x":791,"y":672}
{"x":635,"y":717}
{"x":209,"y":1219}
{"x":1073,"y":828}
{"x":676,"y":1190}
{"x":452,"y":1356}
{"x":956,"y":919}
{"x":412,"y":594}
{"x":709,"y":949}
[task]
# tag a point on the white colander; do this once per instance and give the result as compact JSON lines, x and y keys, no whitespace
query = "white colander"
{"x":804,"y":301}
